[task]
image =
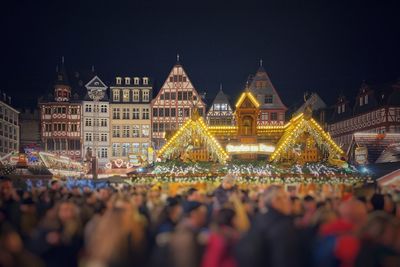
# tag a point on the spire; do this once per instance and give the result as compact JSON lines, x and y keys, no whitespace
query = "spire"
{"x":93,"y":69}
{"x":261,"y":61}
{"x":220,"y":87}
{"x":61,"y":73}
{"x":177,"y":57}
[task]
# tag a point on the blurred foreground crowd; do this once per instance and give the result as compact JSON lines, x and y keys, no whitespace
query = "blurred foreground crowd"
{"x":224,"y":227}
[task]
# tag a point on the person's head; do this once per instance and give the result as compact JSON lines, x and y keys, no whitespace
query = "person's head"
{"x":277,"y":198}
{"x":174,"y":209}
{"x":309,"y":204}
{"x":228,"y":182}
{"x":6,"y":188}
{"x":55,"y":185}
{"x":376,"y":228}
{"x":67,"y":211}
{"x":193,"y":194}
{"x":354,"y":212}
{"x":225,"y":217}
{"x":196,"y":213}
{"x":378,"y":202}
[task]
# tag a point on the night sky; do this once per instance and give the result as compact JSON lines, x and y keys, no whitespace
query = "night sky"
{"x":323,"y":46}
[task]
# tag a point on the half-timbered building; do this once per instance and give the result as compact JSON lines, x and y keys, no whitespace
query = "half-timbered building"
{"x":375,"y":110}
{"x":272,"y":109}
{"x":173,"y":104}
{"x":220,"y":112}
{"x":60,"y":119}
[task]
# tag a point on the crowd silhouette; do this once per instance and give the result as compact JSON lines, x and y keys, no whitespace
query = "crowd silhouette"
{"x":227,"y":226}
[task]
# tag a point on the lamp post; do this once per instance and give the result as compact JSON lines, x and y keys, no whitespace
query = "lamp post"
{"x":96,"y":95}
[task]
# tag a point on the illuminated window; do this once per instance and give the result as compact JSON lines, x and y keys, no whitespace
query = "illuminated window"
{"x":135,"y":148}
{"x":125,"y":131}
{"x":136,"y":95}
{"x":118,"y":80}
{"x":136,"y":80}
{"x":116,"y":114}
{"x":116,"y":131}
{"x":115,"y":94}
{"x":274,"y":116}
{"x":146,"y":95}
{"x":125,"y":149}
{"x":116,"y":149}
{"x":127,"y":80}
{"x":145,"y":80}
{"x":135,"y":131}
{"x":145,"y":130}
{"x":145,"y":113}
{"x":135,"y":114}
{"x":125,"y":95}
{"x":125,"y":113}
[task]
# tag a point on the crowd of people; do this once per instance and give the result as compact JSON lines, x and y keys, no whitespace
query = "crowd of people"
{"x":227,"y":226}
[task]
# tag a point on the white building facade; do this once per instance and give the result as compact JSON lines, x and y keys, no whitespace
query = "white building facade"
{"x":96,"y":124}
{"x":9,"y":127}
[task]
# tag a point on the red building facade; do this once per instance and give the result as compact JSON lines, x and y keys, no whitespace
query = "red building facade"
{"x":60,"y":120}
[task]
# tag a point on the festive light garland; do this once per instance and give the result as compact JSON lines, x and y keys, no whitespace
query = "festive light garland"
{"x":183,"y":137}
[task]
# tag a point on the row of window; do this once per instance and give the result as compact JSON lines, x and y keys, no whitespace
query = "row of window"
{"x":127,"y":115}
{"x":102,"y":152}
{"x":93,"y":108}
{"x":173,"y":112}
{"x":8,"y":131}
{"x":7,"y":145}
{"x":49,"y":127}
{"x":127,"y":131}
{"x":177,"y":78}
{"x":271,"y":116}
{"x":130,"y":95}
{"x":124,"y":149}
{"x":61,"y":110}
{"x":103,"y":122}
{"x":162,"y":127}
{"x":63,"y":144}
{"x":8,"y":115}
{"x":359,"y":119}
{"x":220,"y":107}
{"x":89,"y":137}
{"x":181,"y":95}
{"x":136,"y":80}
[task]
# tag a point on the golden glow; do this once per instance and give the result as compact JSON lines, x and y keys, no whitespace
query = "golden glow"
{"x":191,"y":124}
{"x":250,"y":96}
{"x":250,"y":148}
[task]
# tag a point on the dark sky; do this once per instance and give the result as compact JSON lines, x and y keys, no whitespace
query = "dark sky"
{"x":323,"y":46}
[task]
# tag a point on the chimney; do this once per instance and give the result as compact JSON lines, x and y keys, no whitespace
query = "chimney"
{"x":9,"y":100}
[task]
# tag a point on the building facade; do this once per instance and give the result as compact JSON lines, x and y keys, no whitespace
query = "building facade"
{"x":130,"y":119}
{"x":220,"y":112}
{"x":173,"y":105}
{"x":30,"y":129}
{"x":272,"y":109}
{"x":9,"y":126}
{"x":375,"y":110}
{"x":60,"y":119}
{"x":96,"y":122}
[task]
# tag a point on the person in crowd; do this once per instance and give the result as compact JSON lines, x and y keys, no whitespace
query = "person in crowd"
{"x":309,"y":207}
{"x":378,"y":202}
{"x":223,"y":192}
{"x":271,"y":233}
{"x":187,"y":241}
{"x":219,"y":250}
{"x":337,"y":244}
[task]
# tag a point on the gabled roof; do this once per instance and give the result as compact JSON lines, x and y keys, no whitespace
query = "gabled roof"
{"x":315,"y":101}
{"x":247,"y":95}
{"x":220,"y":98}
{"x":375,"y":143}
{"x":182,"y":139}
{"x":178,"y":69}
{"x":96,"y":83}
{"x":298,"y":125}
{"x":261,"y":86}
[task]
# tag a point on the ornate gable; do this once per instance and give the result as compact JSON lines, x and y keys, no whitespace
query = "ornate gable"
{"x":193,"y":141}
